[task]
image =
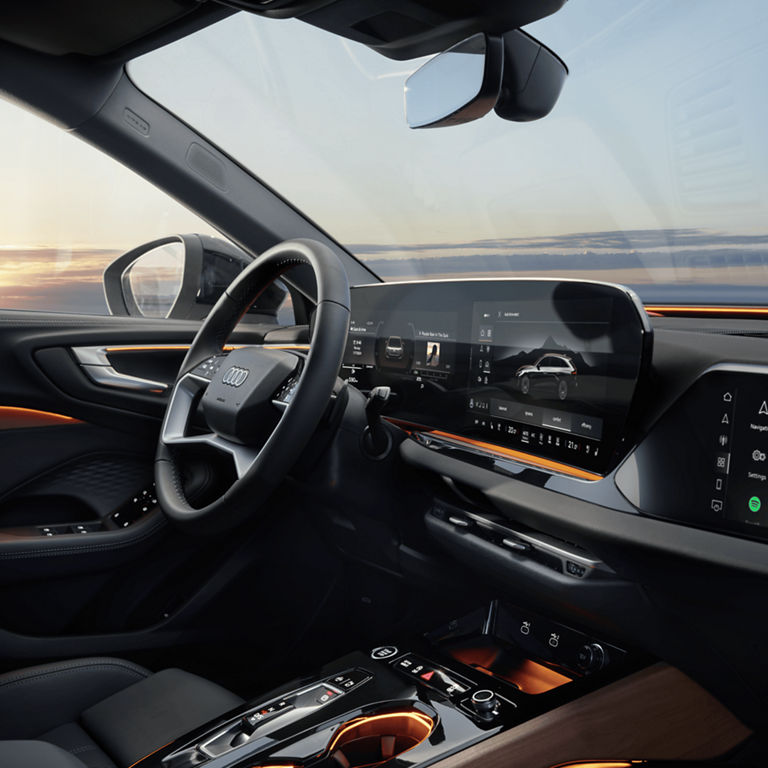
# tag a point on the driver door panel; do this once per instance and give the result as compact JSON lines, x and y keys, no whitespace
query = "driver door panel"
{"x":75,"y":453}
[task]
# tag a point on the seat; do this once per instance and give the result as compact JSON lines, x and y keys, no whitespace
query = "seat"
{"x":100,"y":712}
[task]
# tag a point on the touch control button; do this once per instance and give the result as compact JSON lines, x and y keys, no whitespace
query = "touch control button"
{"x":349,"y":680}
{"x":384,"y":652}
{"x":327,"y":695}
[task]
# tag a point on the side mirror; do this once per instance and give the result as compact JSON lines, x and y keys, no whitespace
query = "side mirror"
{"x":514,"y":74}
{"x":179,"y":277}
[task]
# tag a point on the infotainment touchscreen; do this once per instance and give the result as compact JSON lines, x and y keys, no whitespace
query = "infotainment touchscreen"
{"x":549,"y":368}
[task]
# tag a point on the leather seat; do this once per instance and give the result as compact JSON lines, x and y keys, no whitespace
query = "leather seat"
{"x":100,"y":712}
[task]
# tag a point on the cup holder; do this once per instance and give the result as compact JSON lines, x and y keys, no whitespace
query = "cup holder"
{"x":371,"y":740}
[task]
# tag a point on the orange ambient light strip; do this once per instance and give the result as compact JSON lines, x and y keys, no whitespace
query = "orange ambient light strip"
{"x":602,"y":764}
{"x":521,"y":456}
{"x":185,"y":347}
{"x":677,"y":309}
{"x":26,"y":418}
{"x":149,"y":348}
{"x":425,"y":721}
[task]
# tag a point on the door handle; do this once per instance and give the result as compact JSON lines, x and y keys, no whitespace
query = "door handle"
{"x":96,"y":366}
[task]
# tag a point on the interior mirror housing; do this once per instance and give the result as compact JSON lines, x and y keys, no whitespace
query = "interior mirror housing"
{"x":456,"y":86}
{"x":532,"y":80}
{"x":180,"y":277}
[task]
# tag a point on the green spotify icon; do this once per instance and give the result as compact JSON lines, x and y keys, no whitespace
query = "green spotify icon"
{"x":755,"y":504}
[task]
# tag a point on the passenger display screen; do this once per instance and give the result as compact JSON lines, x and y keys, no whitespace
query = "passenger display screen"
{"x":545,"y":367}
{"x":705,"y":462}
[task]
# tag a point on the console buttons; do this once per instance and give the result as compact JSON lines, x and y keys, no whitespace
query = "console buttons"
{"x":446,"y":682}
{"x":384,"y":652}
{"x":349,"y":680}
{"x":327,"y":695}
{"x":264,"y":713}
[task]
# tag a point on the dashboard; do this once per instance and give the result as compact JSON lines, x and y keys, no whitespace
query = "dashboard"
{"x":547,"y":371}
{"x":651,"y":526}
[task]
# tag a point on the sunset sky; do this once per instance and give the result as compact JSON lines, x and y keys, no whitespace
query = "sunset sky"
{"x":660,"y":129}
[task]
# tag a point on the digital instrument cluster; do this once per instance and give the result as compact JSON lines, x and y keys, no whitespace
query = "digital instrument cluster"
{"x":547,"y":368}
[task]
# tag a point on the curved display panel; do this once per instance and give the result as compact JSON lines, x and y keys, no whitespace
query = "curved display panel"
{"x":705,"y":463}
{"x":547,"y":368}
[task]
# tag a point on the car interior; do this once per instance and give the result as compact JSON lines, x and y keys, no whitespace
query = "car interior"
{"x":294,"y":515}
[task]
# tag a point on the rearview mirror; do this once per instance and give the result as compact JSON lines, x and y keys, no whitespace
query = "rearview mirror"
{"x":180,"y":277}
{"x":456,"y":86}
{"x":515,"y":75}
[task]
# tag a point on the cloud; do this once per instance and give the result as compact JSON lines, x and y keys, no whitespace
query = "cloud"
{"x":50,"y":279}
{"x":660,"y":255}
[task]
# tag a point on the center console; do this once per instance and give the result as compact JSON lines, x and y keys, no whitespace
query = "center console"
{"x":418,"y":701}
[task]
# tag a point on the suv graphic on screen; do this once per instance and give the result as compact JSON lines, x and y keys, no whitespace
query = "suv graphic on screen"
{"x":395,"y":349}
{"x":551,"y":371}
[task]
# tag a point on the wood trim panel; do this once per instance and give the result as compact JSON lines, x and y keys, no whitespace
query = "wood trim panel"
{"x":658,"y":713}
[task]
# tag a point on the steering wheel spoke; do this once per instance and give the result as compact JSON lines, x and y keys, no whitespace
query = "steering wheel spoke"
{"x":184,"y":400}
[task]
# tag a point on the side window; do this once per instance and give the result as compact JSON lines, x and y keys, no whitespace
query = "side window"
{"x":81,"y":233}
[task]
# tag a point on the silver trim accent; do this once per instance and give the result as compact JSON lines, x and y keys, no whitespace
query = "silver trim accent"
{"x":235,"y":376}
{"x":391,"y":655}
{"x":177,"y":416}
{"x":95,"y":364}
{"x":91,"y":355}
{"x":547,"y":544}
{"x":427,"y":438}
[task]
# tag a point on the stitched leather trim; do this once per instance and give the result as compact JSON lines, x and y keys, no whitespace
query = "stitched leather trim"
{"x":33,"y":674}
{"x":152,"y":528}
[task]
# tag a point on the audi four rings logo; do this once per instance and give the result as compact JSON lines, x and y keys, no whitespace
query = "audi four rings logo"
{"x":235,"y":376}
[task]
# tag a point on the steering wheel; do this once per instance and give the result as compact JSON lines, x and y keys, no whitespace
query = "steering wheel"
{"x":261,"y":405}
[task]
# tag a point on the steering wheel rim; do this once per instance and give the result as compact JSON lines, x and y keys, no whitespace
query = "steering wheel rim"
{"x":259,"y":470}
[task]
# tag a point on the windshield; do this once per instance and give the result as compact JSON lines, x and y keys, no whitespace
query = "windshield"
{"x":651,"y":170}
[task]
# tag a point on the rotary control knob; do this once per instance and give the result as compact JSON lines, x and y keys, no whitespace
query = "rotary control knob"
{"x":483,"y":702}
{"x":591,"y":657}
